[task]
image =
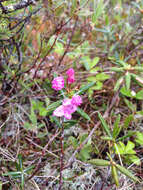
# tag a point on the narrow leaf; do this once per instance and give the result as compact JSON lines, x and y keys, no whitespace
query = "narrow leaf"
{"x":117,"y":128}
{"x":83,"y":114}
{"x":118,"y":83}
{"x":128,"y":80}
{"x":130,"y":133}
{"x":99,"y":162}
{"x":105,"y":126}
{"x":115,"y":175}
{"x":86,"y":87}
{"x":54,"y":105}
{"x":126,"y":172}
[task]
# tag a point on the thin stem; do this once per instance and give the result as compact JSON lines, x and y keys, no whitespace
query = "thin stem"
{"x":61,"y":158}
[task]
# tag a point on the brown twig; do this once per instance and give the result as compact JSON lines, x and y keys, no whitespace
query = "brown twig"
{"x":61,"y":159}
{"x":69,"y":42}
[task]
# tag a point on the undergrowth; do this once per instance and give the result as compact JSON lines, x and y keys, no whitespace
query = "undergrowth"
{"x":49,"y":141}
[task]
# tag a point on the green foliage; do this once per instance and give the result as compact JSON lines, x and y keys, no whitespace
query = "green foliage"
{"x":127,"y":152}
{"x":139,"y":138}
{"x":120,"y":148}
{"x":102,"y":41}
{"x":99,"y":78}
{"x":83,"y":114}
{"x":21,"y":173}
{"x":115,"y":167}
{"x":36,"y":105}
{"x":98,"y":10}
{"x":105,"y":126}
{"x":84,"y":154}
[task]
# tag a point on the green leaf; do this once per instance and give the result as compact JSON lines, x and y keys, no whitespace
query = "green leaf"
{"x":94,"y":70}
{"x":139,"y":95}
{"x":117,"y":128}
{"x":12,"y":174}
{"x":127,"y":121}
{"x":83,"y":114}
{"x":130,"y":105}
{"x":124,"y":64}
{"x":91,"y":79}
{"x":53,"y":106}
{"x":105,"y":126}
{"x":94,"y":62}
{"x":20,"y":162}
{"x":129,"y":148}
{"x":22,"y":180}
{"x":120,"y":148}
{"x":36,"y":104}
{"x":139,"y":138}
{"x":134,"y":159}
{"x":98,"y":10}
{"x":29,"y":168}
{"x":0,"y":185}
{"x":86,"y":87}
{"x":86,"y":61}
{"x":128,"y":80}
{"x":138,"y":79}
{"x":40,"y":125}
{"x":70,"y":123}
{"x":98,"y":86}
{"x":47,"y":100}
{"x":42,"y":111}
{"x":130,"y":133}
{"x":84,"y":154}
{"x":126,"y":92}
{"x":126,"y":172}
{"x":29,"y":126}
{"x":59,"y":48}
{"x":116,"y":69}
{"x":99,"y":162}
{"x":138,"y":68}
{"x":106,"y":138}
{"x":115,"y":175}
{"x":102,"y":77}
{"x":33,"y":117}
{"x":118,"y":83}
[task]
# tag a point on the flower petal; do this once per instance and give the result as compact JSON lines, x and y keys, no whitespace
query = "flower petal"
{"x":76,"y":100}
{"x":59,"y":111}
{"x":58,"y":83}
{"x":71,"y":75}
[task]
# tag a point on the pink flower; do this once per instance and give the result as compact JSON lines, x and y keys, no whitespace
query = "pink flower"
{"x":76,"y":100}
{"x":66,"y":109}
{"x":59,"y":111}
{"x":71,"y":78}
{"x":58,"y":83}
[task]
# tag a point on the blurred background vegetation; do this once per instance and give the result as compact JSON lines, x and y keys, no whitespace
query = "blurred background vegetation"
{"x":103,"y":143}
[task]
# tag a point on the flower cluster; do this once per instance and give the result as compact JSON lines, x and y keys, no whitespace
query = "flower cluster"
{"x":71,"y":77}
{"x":68,"y":106}
{"x":58,"y":83}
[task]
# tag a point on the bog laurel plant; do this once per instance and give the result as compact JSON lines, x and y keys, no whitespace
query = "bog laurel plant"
{"x":71,"y":91}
